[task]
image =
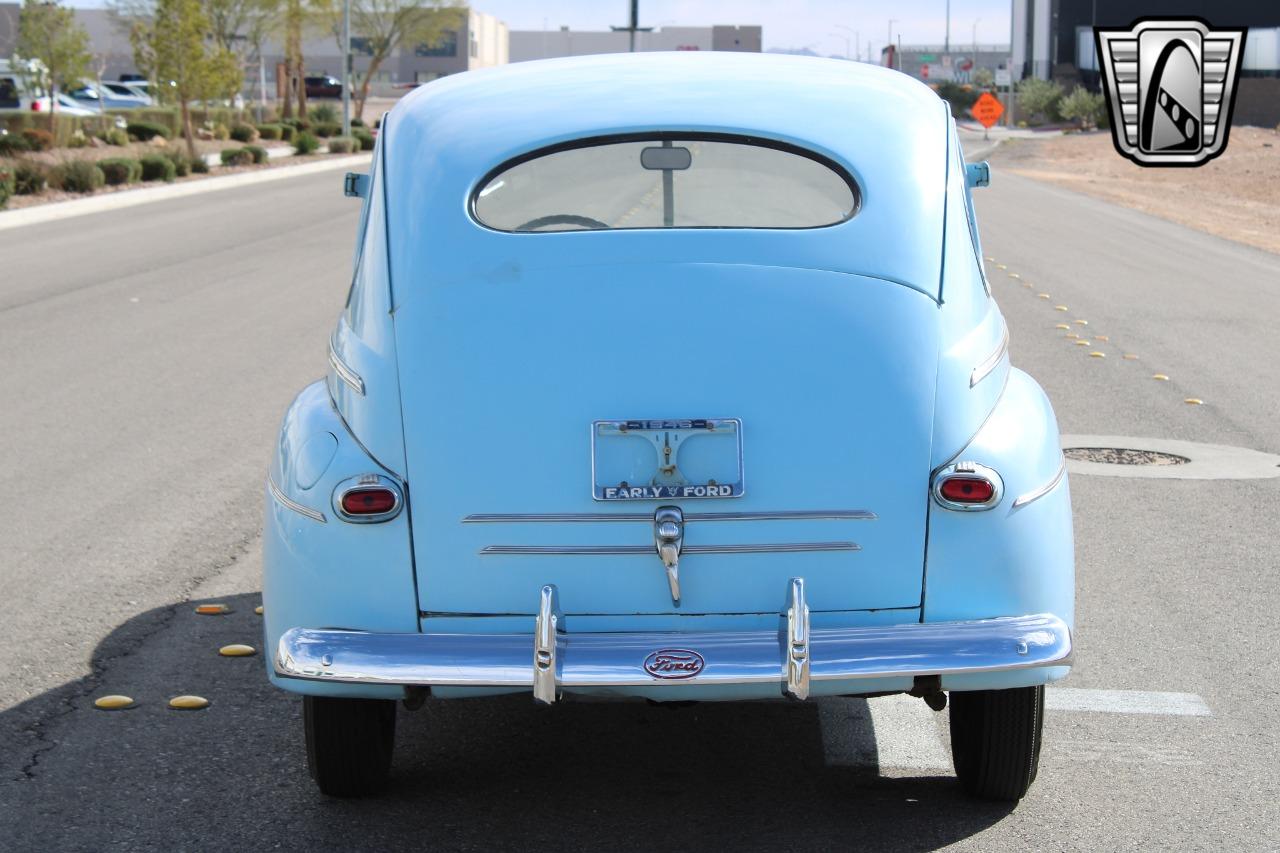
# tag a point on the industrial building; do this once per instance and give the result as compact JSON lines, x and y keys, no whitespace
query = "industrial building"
{"x":546,"y":44}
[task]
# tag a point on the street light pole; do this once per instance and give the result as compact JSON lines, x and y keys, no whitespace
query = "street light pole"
{"x":892,"y":21}
{"x":974,"y":71}
{"x":346,"y":67}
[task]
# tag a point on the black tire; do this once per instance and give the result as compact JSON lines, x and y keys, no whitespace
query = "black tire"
{"x":349,"y":743}
{"x":995,"y":740}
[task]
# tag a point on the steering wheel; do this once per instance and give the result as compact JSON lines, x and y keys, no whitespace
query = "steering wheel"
{"x":562,"y":219}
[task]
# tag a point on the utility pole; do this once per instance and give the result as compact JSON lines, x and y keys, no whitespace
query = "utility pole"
{"x":346,"y":67}
{"x":633,"y":28}
{"x":946,"y":44}
{"x":892,"y":21}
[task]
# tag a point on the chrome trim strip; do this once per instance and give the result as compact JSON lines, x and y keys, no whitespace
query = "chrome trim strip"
{"x":732,"y":657}
{"x":364,"y":481}
{"x":989,"y":363}
{"x":284,"y":501}
{"x":546,"y":629}
{"x":1023,"y":500}
{"x":629,"y":550}
{"x":345,"y":373}
{"x":797,"y":641}
{"x":763,"y":515}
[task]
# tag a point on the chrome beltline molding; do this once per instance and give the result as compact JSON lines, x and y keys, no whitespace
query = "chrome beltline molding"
{"x":1023,"y":500}
{"x":763,"y":515}
{"x":284,"y":501}
{"x":345,"y":373}
{"x":627,"y":550}
{"x":989,"y":364}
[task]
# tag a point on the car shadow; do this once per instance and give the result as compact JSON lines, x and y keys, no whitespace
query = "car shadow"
{"x":496,"y":773}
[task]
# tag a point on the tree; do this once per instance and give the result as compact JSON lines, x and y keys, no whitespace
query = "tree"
{"x":1039,"y":98}
{"x":50,"y":33}
{"x":1083,"y":106}
{"x":983,"y":78}
{"x":173,"y":46}
{"x":294,"y":65}
{"x":385,"y":25}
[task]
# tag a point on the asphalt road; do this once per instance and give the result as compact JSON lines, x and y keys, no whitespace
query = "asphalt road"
{"x":148,"y":358}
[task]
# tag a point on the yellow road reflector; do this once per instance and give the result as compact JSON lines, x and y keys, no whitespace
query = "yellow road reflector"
{"x":1043,"y":295}
{"x":1160,"y":377}
{"x":258,"y":610}
{"x":1059,"y":308}
{"x":237,"y":650}
{"x":188,"y":703}
{"x":991,"y":259}
{"x":1194,"y":401}
{"x":1101,"y":338}
{"x":1027,"y":284}
{"x":1082,"y":343}
{"x":114,"y":702}
{"x":1001,"y":267}
{"x":212,"y":609}
{"x":1072,"y":335}
{"x":1014,"y":275}
{"x":1130,"y":357}
{"x":1062,"y":326}
{"x":1081,"y":322}
{"x":1096,"y":354}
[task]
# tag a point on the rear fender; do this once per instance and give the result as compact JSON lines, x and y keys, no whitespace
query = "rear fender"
{"x":329,"y":573}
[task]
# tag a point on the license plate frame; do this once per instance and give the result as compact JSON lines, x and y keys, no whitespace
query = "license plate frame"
{"x":667,"y":482}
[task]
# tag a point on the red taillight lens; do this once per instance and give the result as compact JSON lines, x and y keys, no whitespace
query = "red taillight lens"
{"x":35,"y":106}
{"x":967,"y":489}
{"x":371,"y":501}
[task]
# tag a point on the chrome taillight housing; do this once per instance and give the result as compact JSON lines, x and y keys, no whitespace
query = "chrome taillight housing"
{"x":367,"y":499}
{"x":967,"y":487}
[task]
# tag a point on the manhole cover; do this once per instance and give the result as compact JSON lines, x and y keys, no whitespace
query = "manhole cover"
{"x":1122,"y":456}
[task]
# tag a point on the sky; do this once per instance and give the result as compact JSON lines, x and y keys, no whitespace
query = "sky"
{"x":815,"y":24}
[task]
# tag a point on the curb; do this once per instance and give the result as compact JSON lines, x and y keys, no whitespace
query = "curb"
{"x":130,"y":198}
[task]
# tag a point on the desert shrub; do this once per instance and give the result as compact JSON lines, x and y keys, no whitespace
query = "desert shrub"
{"x":306,"y":144}
{"x":181,"y":162}
{"x":77,"y":176}
{"x":258,"y":153}
{"x":326,"y":130}
{"x":115,"y":136}
{"x":167,"y":117}
{"x":221,"y":132}
{"x":78,"y":139}
{"x":342,"y":145}
{"x":199,"y":166}
{"x":1083,"y":106}
{"x":29,"y":177}
{"x":268,"y":131}
{"x":364,"y":137}
{"x":145,"y":131}
{"x":288,"y":132}
{"x":158,"y":167}
{"x":37,"y":139}
{"x":323,"y":114}
{"x":120,"y":170}
{"x":12,"y":143}
{"x":1038,"y":99}
{"x":244,"y":133}
{"x":357,"y":122}
{"x":6,"y":183}
{"x":959,"y":98}
{"x":236,"y":157}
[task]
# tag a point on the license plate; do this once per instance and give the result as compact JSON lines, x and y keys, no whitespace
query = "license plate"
{"x":659,"y":460}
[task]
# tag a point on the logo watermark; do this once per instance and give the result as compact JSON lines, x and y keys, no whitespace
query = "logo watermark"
{"x":1170,"y":85}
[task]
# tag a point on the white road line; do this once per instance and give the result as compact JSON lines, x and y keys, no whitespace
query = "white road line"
{"x":890,"y":732}
{"x":1125,"y":702}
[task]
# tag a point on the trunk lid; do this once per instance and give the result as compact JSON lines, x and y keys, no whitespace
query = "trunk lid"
{"x":827,"y":379}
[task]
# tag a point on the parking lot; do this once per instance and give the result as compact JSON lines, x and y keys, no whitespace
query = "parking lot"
{"x":142,"y":397}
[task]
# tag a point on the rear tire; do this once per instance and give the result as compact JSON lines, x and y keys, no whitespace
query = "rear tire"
{"x":995,"y":740}
{"x":349,"y":743}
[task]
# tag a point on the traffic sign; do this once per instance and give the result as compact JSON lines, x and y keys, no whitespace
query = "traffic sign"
{"x":1003,"y":77}
{"x":987,"y":109}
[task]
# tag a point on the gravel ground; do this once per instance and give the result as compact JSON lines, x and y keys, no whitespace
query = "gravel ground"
{"x":1236,"y":196}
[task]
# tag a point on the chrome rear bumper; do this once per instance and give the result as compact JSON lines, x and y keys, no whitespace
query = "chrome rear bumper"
{"x":552,"y":660}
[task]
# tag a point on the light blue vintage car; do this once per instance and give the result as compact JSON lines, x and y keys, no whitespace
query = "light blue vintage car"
{"x":671,"y":376}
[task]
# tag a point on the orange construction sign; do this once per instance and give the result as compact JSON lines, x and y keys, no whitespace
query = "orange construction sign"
{"x":987,"y":109}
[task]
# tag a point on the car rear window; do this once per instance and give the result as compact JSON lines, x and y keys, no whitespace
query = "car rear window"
{"x":666,"y":181}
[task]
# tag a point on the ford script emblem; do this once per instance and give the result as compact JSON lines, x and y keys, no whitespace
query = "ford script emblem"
{"x":674,"y":663}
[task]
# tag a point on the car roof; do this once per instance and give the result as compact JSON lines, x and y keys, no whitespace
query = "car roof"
{"x":887,"y":129}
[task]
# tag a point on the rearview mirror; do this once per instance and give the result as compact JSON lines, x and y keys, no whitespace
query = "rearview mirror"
{"x":665,"y":158}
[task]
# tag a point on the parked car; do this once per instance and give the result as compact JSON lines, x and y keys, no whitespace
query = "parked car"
{"x":128,"y":90}
{"x":674,"y":376}
{"x":89,"y":95}
{"x":323,"y":87}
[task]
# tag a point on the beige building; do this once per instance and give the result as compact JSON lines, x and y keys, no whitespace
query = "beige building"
{"x":546,"y":44}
